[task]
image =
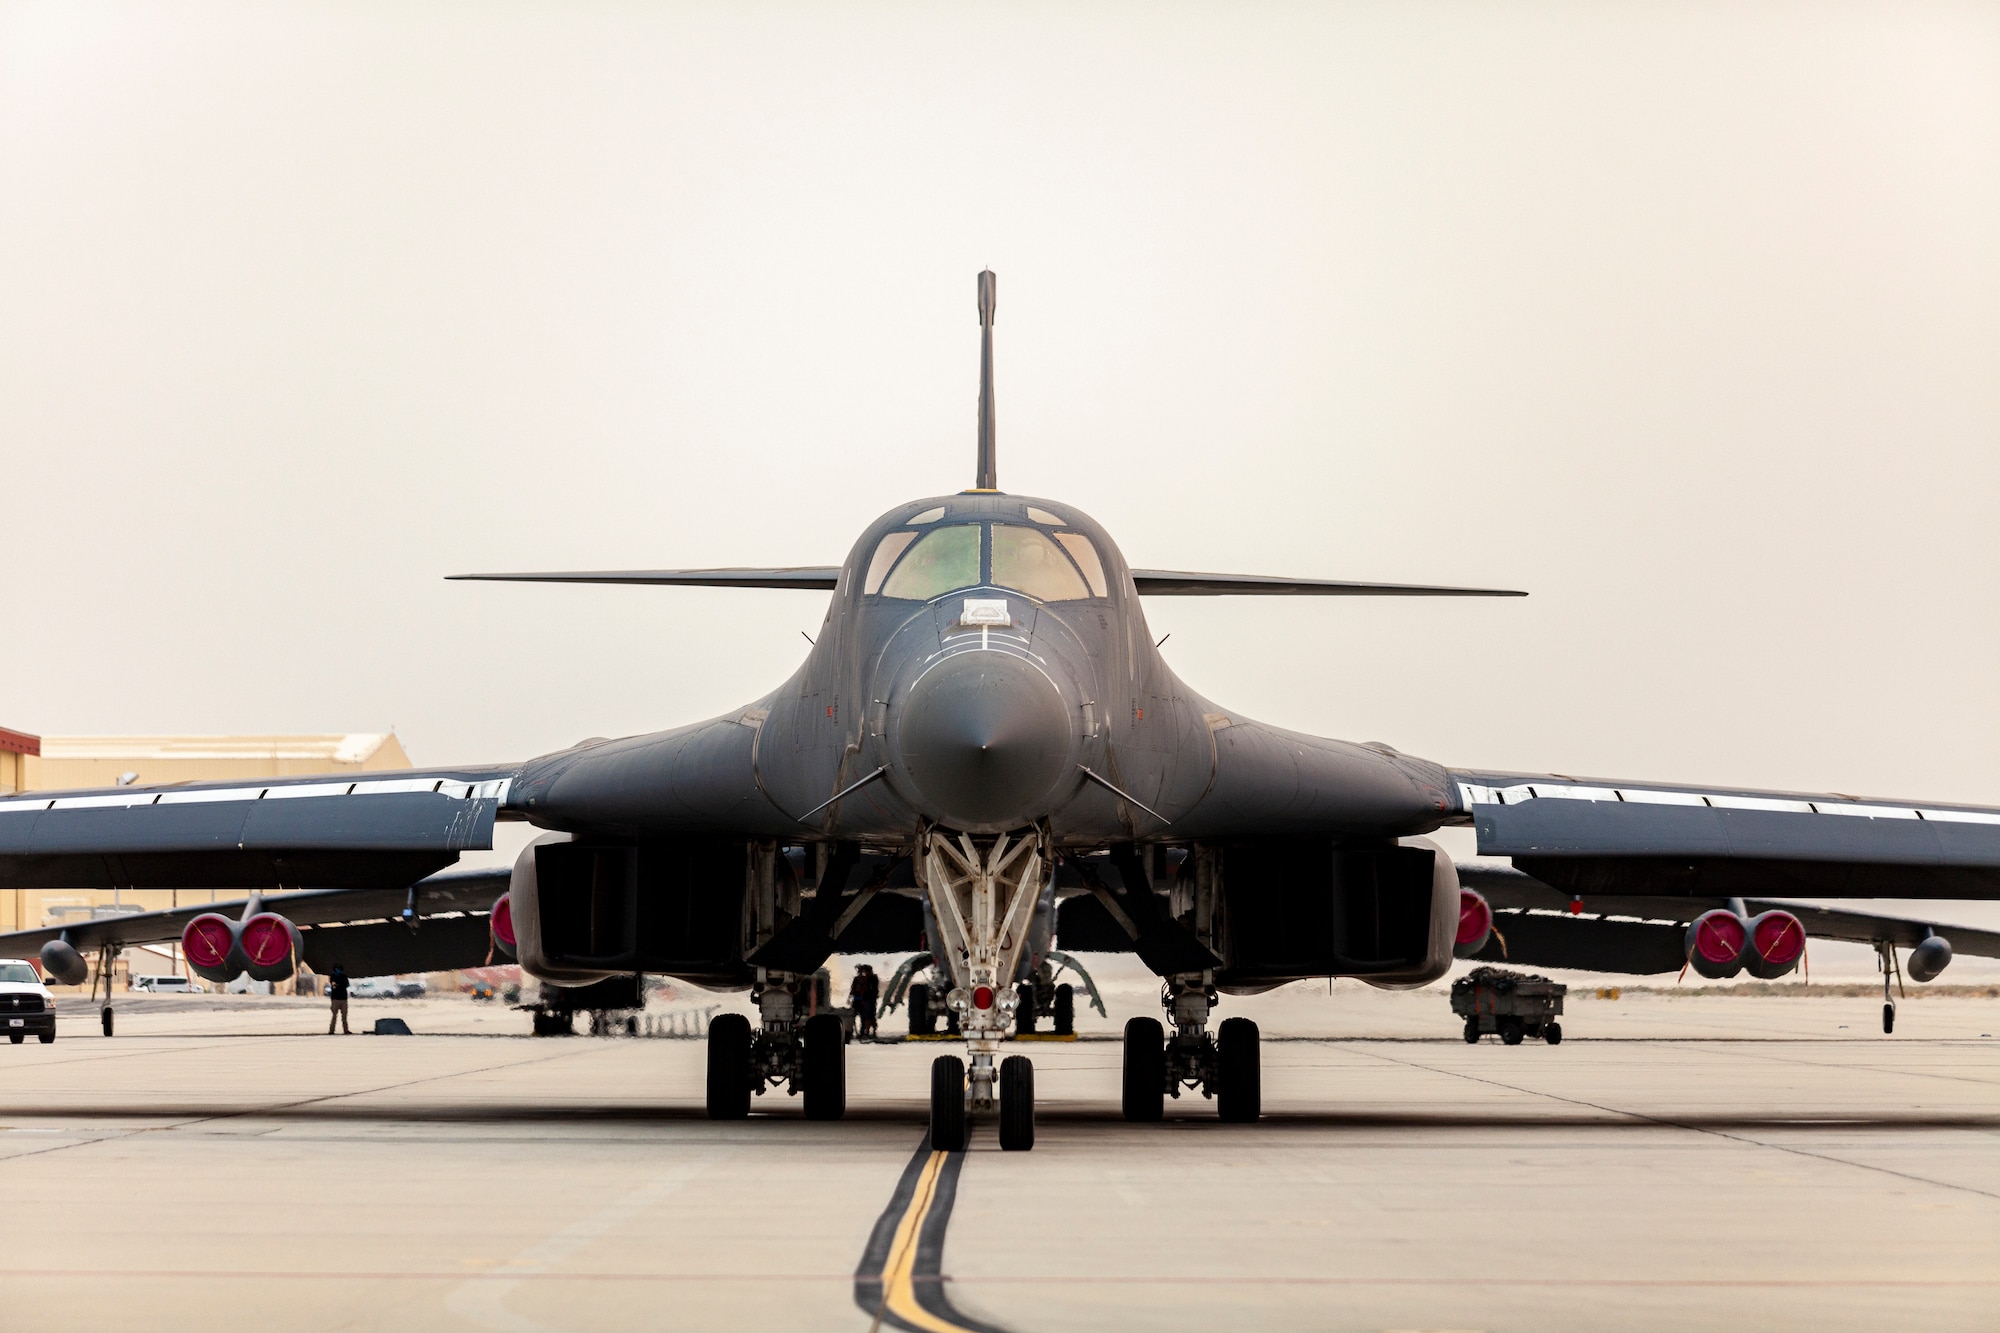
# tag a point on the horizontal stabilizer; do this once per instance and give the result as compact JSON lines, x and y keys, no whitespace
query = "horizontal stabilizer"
{"x":1173,"y":583}
{"x":811,"y":577}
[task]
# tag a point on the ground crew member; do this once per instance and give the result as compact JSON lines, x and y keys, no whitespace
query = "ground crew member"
{"x":861,"y":997}
{"x":336,"y":990}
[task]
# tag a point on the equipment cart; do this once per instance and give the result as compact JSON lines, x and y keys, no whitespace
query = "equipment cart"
{"x":1513,"y":1004}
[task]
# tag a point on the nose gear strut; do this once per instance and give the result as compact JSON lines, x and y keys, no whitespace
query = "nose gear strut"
{"x":983,"y":894}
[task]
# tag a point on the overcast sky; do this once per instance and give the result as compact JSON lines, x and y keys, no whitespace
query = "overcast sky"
{"x":1686,"y":318}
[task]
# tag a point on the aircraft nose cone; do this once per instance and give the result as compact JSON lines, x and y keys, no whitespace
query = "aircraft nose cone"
{"x":985,"y":738}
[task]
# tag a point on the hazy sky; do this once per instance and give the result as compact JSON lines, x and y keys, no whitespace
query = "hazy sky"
{"x":1684,"y":317}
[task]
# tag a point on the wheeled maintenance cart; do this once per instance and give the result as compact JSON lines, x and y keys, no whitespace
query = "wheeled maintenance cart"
{"x":1513,"y":1004}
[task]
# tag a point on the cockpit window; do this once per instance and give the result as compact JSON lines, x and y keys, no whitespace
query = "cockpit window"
{"x":928,"y":516}
{"x":1085,"y":555}
{"x":944,"y":559}
{"x":892,"y":546}
{"x":1026,"y":559}
{"x":1044,"y":516}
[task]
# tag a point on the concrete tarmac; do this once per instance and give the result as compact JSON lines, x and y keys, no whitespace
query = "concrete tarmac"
{"x":1675,"y":1163}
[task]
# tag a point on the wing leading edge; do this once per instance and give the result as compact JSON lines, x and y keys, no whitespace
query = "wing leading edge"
{"x":1149,"y":582}
{"x":1585,"y":836}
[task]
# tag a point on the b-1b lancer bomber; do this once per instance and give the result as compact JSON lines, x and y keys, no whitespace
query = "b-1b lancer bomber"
{"x":983,"y":756}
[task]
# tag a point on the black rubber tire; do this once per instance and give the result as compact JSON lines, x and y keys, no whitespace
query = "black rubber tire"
{"x":1511,"y":1031}
{"x":1063,"y":1011}
{"x":1024,"y":1008}
{"x":1145,"y":1093}
{"x":46,"y":1037}
{"x":1888,"y":1018}
{"x":17,"y":1037}
{"x":824,"y":1066}
{"x":728,"y":1067}
{"x":1472,"y":1032}
{"x":922,"y":1021}
{"x":106,"y":1016}
{"x":948,"y":1104}
{"x":632,"y":1027}
{"x":1239,"y":1098}
{"x":1552,"y":1033}
{"x":1017,"y":1103}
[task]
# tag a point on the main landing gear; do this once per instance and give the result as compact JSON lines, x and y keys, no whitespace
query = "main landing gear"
{"x":805,"y":1051}
{"x":1225,"y":1066}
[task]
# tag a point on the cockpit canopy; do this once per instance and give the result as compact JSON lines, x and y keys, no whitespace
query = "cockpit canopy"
{"x":918,"y":562}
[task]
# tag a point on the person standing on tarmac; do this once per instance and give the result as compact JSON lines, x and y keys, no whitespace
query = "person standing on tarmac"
{"x":861,"y":996}
{"x":336,"y":991}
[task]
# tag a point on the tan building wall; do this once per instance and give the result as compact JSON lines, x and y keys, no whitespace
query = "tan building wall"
{"x":52,"y":763}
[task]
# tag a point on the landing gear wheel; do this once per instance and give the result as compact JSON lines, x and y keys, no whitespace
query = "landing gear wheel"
{"x":825,"y":1068}
{"x":46,"y":1037}
{"x":1017,"y":1103}
{"x":948,"y":1104}
{"x":1239,"y":1095}
{"x":107,"y":1020}
{"x":1471,"y":1032}
{"x":1888,"y":1018}
{"x":1024,"y":1008}
{"x":922,"y":1021}
{"x":1511,"y":1031}
{"x":1552,"y":1033}
{"x":1063,"y":1011}
{"x":728,"y":1067}
{"x":1145,"y":1099}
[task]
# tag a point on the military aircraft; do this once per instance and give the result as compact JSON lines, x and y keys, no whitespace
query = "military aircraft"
{"x":983,"y":731}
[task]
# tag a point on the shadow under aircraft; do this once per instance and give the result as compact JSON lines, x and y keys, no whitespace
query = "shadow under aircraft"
{"x":983,"y":758}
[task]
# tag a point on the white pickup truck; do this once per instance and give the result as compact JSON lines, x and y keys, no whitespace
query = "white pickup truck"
{"x":25,"y":1003}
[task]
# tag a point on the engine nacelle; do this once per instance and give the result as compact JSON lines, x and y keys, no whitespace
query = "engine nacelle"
{"x":1445,"y":892}
{"x":1718,"y":944}
{"x":269,"y":947}
{"x":1777,"y":943}
{"x":265,"y":945}
{"x":1929,"y":958}
{"x":209,"y":945}
{"x":500,"y":926}
{"x":1475,"y":923}
{"x":61,"y":961}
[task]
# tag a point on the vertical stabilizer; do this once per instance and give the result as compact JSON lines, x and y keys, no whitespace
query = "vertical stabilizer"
{"x":989,"y":472}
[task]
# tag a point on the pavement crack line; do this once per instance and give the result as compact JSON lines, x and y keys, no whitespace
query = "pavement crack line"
{"x":1694,"y":1129}
{"x":271,"y":1107}
{"x":899,"y":1281}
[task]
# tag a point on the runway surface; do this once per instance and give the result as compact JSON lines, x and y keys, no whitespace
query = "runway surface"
{"x":1712,"y":1162}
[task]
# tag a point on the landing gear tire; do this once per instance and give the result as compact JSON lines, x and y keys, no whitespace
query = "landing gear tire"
{"x":1145,"y":1099}
{"x":1239,"y":1075}
{"x":1024,"y":1009}
{"x":1888,"y":1018}
{"x":107,"y":1019}
{"x":948,"y":1104}
{"x":825,"y":1068}
{"x":922,"y":1021}
{"x":1471,"y":1032}
{"x":728,"y":1067}
{"x":1063,"y":1011}
{"x":1552,"y":1033}
{"x":1511,"y":1031}
{"x":1017,"y":1103}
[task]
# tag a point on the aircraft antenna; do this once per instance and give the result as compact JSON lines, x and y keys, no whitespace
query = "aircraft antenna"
{"x":989,"y":475}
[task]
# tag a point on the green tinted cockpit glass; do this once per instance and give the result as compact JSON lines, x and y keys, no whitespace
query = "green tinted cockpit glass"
{"x":944,"y":559}
{"x":1024,"y":558}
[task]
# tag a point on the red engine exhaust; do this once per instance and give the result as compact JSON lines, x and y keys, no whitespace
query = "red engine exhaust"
{"x":1717,"y":944}
{"x":1777,"y":943}
{"x":500,"y":925}
{"x":1475,"y":924}
{"x":209,"y":944}
{"x":270,"y":947}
